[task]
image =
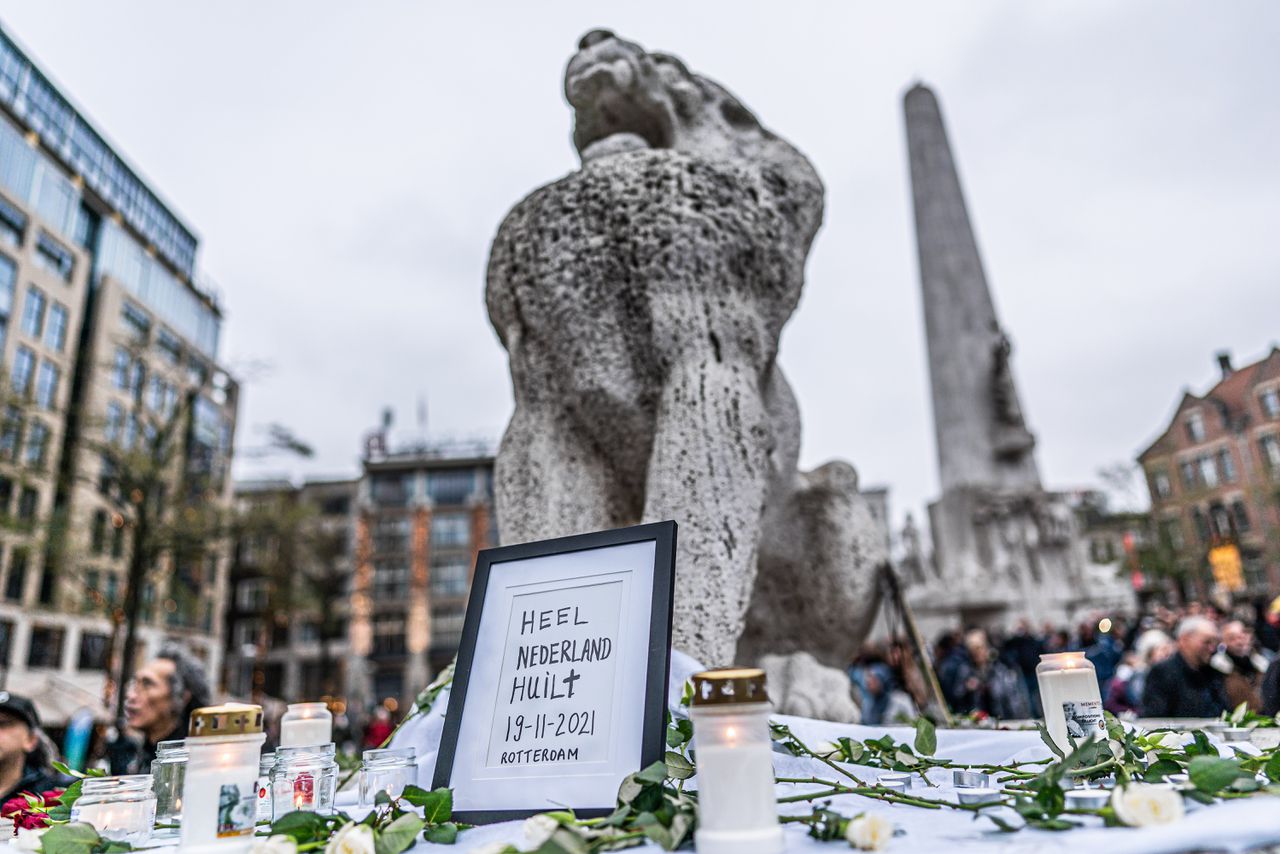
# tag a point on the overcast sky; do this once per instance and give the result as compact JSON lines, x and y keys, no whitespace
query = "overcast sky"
{"x":346,"y":165}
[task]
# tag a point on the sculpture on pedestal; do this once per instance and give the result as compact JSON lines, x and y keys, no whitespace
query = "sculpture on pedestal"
{"x":641,"y":299}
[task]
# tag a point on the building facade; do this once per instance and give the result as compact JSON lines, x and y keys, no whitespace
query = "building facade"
{"x":416,"y":519}
{"x":105,"y":339}
{"x":1214,"y":477}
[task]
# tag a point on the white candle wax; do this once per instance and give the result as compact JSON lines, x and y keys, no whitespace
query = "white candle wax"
{"x":735,"y":787}
{"x":1072,"y":690}
{"x":306,"y":732}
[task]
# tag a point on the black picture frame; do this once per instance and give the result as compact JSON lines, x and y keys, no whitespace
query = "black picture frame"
{"x":653,"y":747}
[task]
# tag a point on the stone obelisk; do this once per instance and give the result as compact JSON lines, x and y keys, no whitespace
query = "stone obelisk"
{"x":1004,"y":548}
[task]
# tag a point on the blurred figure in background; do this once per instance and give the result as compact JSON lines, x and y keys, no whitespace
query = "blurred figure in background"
{"x":1022,"y":653}
{"x":1125,"y":693}
{"x":158,"y":704}
{"x":379,"y":729}
{"x":24,"y":754}
{"x":1185,"y":685}
{"x":979,"y":682}
{"x":1242,"y":666}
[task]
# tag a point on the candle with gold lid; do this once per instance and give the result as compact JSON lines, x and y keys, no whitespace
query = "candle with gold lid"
{"x":737,"y":806}
{"x":1071,"y":699}
{"x":219,"y":794}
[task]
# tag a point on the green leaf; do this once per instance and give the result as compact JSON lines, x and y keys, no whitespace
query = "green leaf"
{"x":851,"y":749}
{"x":415,"y":795}
{"x":1005,"y":827}
{"x":1053,"y":746}
{"x":1212,"y":774}
{"x":1160,"y":769}
{"x":902,"y":757}
{"x":1272,"y":768}
{"x":399,"y":835}
{"x":564,"y":841}
{"x":301,"y":825}
{"x":926,"y":737}
{"x":442,"y":834}
{"x":77,"y":838}
{"x":678,"y":768}
{"x":629,"y":789}
{"x":1053,"y":824}
{"x":437,"y":807}
{"x":655,"y":773}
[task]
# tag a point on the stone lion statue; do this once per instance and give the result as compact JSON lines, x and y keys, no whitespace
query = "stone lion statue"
{"x":641,"y":299}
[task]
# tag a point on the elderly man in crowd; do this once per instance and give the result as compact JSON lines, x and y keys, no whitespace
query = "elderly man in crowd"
{"x":1241,"y":665}
{"x":158,"y":705}
{"x":1186,"y":685}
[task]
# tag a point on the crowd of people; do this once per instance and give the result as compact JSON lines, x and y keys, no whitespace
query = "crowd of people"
{"x":1193,"y":661}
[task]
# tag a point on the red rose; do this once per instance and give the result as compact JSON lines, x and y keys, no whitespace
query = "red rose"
{"x":51,"y":797}
{"x":31,"y":820}
{"x":14,"y":805}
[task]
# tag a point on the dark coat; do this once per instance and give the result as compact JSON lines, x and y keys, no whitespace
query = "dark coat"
{"x":1175,"y":689}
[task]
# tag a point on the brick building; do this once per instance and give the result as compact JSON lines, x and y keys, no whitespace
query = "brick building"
{"x":1214,"y":475}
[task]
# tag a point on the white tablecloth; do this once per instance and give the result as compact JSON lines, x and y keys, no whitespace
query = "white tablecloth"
{"x":1232,"y":826}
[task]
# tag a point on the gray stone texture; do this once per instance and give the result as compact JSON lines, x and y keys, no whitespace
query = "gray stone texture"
{"x":641,"y":299}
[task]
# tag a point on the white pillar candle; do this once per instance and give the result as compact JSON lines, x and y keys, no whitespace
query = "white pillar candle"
{"x":737,"y":805}
{"x":219,"y":794}
{"x":306,"y":725}
{"x":1071,"y":699}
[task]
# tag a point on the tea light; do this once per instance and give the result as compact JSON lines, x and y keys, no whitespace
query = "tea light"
{"x":1179,"y":780}
{"x":970,"y":780}
{"x":897,"y":786}
{"x":1071,"y":699}
{"x":121,"y":809}
{"x":1235,"y":733}
{"x":895,"y":777}
{"x":978,"y":796}
{"x":219,"y":794}
{"x":306,"y":725}
{"x":737,"y":806}
{"x":1087,"y":799}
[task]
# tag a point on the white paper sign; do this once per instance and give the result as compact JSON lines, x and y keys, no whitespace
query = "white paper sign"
{"x":553,"y":711}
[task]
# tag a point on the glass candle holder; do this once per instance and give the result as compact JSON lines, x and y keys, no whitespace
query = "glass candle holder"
{"x":388,"y":770}
{"x":306,"y":725}
{"x":303,"y":779}
{"x":737,"y":807}
{"x":219,"y":794}
{"x":121,"y":809}
{"x":168,"y":772}
{"x":265,"y":763}
{"x":1071,"y":699}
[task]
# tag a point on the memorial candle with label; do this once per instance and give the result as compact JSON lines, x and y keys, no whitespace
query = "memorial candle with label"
{"x":1071,"y":699}
{"x":737,"y":806}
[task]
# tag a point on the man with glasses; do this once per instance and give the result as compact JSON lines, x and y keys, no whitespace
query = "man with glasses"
{"x":158,"y":705}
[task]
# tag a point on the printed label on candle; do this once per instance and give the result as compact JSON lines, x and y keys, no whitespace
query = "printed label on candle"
{"x":1084,"y":718}
{"x":555,"y":693}
{"x":237,"y":810}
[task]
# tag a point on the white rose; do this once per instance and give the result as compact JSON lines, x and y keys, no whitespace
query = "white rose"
{"x":1143,"y":804}
{"x":869,"y":832}
{"x":1174,"y":740}
{"x":28,"y":839}
{"x":826,"y":750}
{"x":538,"y":829}
{"x":351,"y":839}
{"x":278,"y":844}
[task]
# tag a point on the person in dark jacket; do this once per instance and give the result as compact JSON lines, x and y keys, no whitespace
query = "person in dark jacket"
{"x":24,"y":765}
{"x":1271,"y":689}
{"x":1185,"y":685}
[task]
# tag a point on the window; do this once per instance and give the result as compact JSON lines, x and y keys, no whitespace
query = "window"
{"x":390,"y":580}
{"x":1171,"y":530}
{"x":120,"y":369}
{"x":47,"y":579}
{"x":136,"y":319}
{"x":156,"y":393}
{"x":55,"y":334}
{"x":106,"y":474}
{"x":1241,"y":516}
{"x":451,"y":486}
{"x":117,"y":536}
{"x":24,"y":363}
{"x":1271,"y":451}
{"x":13,"y":223}
{"x":47,"y":385}
{"x":1271,"y":402}
{"x":388,"y":634}
{"x":446,"y":625}
{"x":27,"y":502}
{"x":251,"y":595}
{"x":1208,"y":471}
{"x":115,"y":421}
{"x":449,"y":579}
{"x":93,"y":651}
{"x":1220,"y":522}
{"x":137,"y":378}
{"x":1227,"y":465}
{"x":169,"y":347}
{"x":16,"y":583}
{"x":6,"y":495}
{"x":92,"y":595}
{"x":46,"y":647}
{"x":11,"y":434}
{"x":37,"y":444}
{"x":6,"y":642}
{"x":450,"y":530}
{"x":54,"y":257}
{"x":1160,"y":481}
{"x":391,"y":535}
{"x":98,"y":533}
{"x":33,"y":313}
{"x":8,"y":272}
{"x":1195,"y":427}
{"x":1201,"y":523}
{"x":392,"y":490}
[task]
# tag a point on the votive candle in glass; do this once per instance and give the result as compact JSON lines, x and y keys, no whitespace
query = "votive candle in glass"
{"x":303,"y":779}
{"x":121,"y":809}
{"x":219,"y":795}
{"x":737,"y":806}
{"x":306,"y":725}
{"x":387,"y":770}
{"x":1071,"y":699}
{"x":168,"y":771}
